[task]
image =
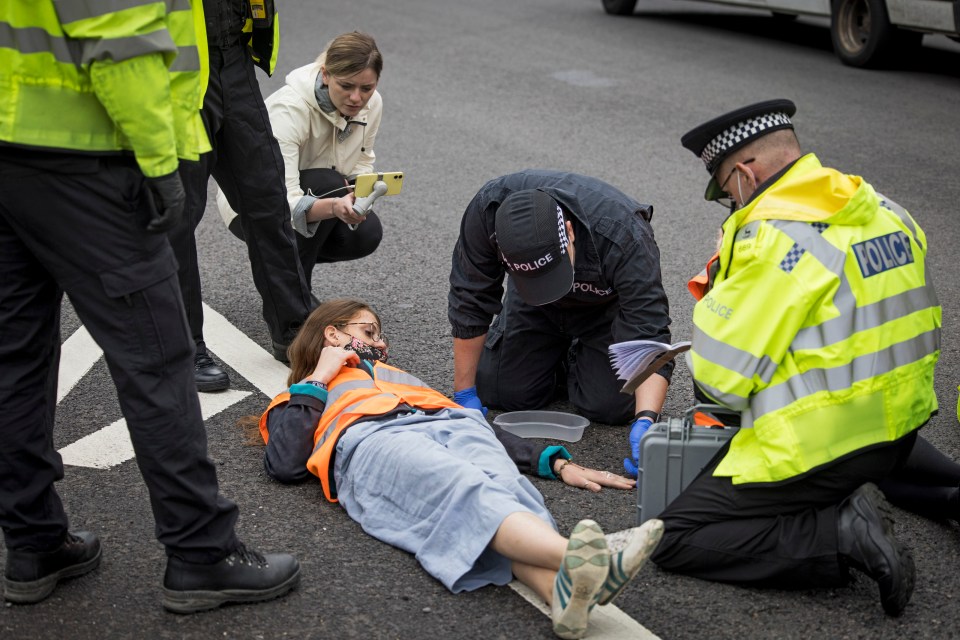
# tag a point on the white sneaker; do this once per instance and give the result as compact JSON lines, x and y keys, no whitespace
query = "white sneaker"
{"x":629,"y":550}
{"x":579,"y":580}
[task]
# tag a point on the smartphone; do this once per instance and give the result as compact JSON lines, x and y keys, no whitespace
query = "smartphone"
{"x":365,"y":181}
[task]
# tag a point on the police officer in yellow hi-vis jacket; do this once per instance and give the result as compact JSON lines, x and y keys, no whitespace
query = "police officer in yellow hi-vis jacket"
{"x":98,"y":102}
{"x":822,"y":328}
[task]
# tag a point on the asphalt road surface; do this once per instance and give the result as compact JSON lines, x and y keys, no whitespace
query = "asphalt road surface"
{"x":473,"y":90}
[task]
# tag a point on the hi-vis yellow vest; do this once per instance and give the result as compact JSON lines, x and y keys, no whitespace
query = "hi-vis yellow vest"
{"x":822,"y":326}
{"x":105,"y":78}
{"x":353,"y":394}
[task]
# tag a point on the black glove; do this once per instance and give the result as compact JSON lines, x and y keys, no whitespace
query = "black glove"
{"x":166,"y":199}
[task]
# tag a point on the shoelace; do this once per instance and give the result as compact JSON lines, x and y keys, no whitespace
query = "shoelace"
{"x":247,"y":556}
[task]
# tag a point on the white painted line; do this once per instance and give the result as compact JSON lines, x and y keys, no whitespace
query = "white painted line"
{"x":77,"y":356}
{"x":606,"y":623}
{"x":111,"y":445}
{"x":243,"y":354}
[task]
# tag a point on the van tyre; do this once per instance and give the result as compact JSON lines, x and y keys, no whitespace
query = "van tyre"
{"x":863,"y":36}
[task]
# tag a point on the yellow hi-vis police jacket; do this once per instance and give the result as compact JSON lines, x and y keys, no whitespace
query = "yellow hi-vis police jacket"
{"x":105,"y":77}
{"x":355,"y":394}
{"x":822,"y":326}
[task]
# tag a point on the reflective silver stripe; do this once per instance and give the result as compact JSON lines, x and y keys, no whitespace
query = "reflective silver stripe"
{"x":729,"y":400}
{"x":398,"y":377}
{"x":334,"y":394}
{"x":730,"y":357}
{"x":333,"y":424}
{"x":394,"y":376}
{"x":843,"y":377}
{"x":29,"y":40}
{"x":188,"y":59}
{"x":901,"y":213}
{"x":809,"y":239}
{"x":71,"y":10}
{"x":871,"y":316}
{"x":119,"y":49}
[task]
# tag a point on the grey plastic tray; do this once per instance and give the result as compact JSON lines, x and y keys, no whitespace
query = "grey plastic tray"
{"x":556,"y":425}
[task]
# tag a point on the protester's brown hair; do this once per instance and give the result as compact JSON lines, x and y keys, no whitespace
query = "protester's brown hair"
{"x":304,"y":351}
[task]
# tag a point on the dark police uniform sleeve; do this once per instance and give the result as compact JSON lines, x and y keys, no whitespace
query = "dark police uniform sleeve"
{"x":476,"y":273}
{"x":632,"y":260}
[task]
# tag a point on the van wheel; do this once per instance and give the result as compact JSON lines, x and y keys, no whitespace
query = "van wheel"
{"x":619,"y":7}
{"x":863,"y":36}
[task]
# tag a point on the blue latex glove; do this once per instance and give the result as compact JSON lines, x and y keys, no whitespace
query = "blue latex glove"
{"x":468,"y":398}
{"x":639,"y":428}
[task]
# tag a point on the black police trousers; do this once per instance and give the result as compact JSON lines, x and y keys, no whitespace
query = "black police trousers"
{"x":247,"y":165}
{"x":530,"y":350}
{"x":75,"y":224}
{"x":781,"y":535}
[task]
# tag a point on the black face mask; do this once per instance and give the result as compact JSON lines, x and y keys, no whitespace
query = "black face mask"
{"x":366,"y":351}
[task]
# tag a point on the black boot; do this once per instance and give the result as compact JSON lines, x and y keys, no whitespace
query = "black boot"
{"x":208,"y":375}
{"x":280,"y":352}
{"x":31,"y":576}
{"x":243,"y":576}
{"x":866,"y":541}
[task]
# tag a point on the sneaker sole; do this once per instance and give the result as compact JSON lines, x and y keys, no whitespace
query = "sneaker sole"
{"x":195,"y":601}
{"x":37,"y":590}
{"x":587,"y":562}
{"x":896,"y":601}
{"x":626,"y":564}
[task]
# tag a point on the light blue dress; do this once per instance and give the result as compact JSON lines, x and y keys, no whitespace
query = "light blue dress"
{"x":437,"y":486}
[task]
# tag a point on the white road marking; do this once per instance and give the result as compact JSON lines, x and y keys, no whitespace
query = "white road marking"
{"x":111,"y":445}
{"x":244,"y":355}
{"x":77,"y":356}
{"x":606,"y":622}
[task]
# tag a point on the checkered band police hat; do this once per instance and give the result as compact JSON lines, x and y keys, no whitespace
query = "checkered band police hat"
{"x":717,"y":139}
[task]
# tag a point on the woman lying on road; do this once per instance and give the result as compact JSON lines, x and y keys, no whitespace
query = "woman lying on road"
{"x":424,"y":474}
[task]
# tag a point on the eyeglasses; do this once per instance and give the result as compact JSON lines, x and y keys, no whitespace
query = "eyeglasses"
{"x":371,"y":331}
{"x":727,"y":200}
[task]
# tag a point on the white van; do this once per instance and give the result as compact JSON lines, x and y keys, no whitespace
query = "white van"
{"x":865,"y":33}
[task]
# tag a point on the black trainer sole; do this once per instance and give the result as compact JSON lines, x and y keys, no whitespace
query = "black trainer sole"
{"x":185,"y":602}
{"x":37,"y":590}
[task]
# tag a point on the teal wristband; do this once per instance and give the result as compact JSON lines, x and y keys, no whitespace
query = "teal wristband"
{"x":307,"y":389}
{"x":544,"y":468}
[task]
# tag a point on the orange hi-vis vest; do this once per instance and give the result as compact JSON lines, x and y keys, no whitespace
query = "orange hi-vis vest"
{"x":699,"y":284}
{"x":352,"y":395}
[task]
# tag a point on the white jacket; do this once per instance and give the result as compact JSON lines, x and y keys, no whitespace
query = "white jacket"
{"x":308,"y":140}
